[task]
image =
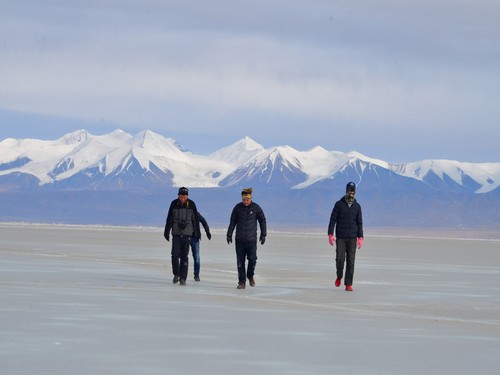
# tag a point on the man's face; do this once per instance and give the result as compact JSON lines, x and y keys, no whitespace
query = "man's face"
{"x":183,"y":198}
{"x":246,"y":201}
{"x":350,"y":193}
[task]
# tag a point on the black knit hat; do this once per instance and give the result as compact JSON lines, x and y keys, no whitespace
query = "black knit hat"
{"x":183,"y":191}
{"x":350,"y":186}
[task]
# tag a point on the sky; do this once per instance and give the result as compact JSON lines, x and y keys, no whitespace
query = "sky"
{"x":396,"y":80}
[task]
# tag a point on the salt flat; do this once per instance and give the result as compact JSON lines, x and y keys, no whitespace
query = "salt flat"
{"x":100,"y":300}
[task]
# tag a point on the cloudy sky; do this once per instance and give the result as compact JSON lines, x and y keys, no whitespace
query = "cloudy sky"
{"x":396,"y":80}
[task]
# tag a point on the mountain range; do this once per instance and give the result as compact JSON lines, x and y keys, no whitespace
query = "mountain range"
{"x":119,"y":178}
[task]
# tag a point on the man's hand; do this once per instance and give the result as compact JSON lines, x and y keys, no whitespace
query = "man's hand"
{"x":209,"y":236}
{"x":229,"y":240}
{"x":331,"y":239}
{"x":167,"y":237}
{"x":360,"y":242}
{"x":262,"y":239}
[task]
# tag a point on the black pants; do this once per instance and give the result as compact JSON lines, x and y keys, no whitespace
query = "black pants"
{"x":180,"y":256}
{"x":346,"y":253}
{"x":246,"y":250}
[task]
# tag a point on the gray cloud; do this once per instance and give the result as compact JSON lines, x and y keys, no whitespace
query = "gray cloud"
{"x":295,"y":72}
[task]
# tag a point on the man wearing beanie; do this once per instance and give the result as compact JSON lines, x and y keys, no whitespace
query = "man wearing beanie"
{"x":244,"y":218}
{"x":347,"y":220}
{"x":182,"y":220}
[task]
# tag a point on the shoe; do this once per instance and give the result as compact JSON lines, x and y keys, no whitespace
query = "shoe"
{"x":196,"y":278}
{"x":176,"y":279}
{"x":183,"y":282}
{"x":241,"y":286}
{"x":348,"y":288}
{"x":337,"y":282}
{"x":252,"y":281}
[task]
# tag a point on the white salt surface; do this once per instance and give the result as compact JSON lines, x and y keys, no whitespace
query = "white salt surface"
{"x":89,"y":300}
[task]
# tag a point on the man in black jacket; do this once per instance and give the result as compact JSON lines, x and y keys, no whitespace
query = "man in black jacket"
{"x":244,"y":217}
{"x":347,"y":220}
{"x":182,"y":220}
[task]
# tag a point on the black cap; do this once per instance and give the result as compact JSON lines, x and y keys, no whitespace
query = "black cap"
{"x":183,"y":191}
{"x":350,"y":186}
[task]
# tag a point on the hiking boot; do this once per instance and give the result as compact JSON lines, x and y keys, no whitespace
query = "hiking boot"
{"x":241,"y":286}
{"x":252,"y":281}
{"x":337,"y":282}
{"x":183,"y":282}
{"x":176,"y":279}
{"x":196,"y":277}
{"x":348,"y":288}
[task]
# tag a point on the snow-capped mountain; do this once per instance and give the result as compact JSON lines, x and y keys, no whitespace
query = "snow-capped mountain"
{"x":450,"y":174}
{"x":119,"y":178}
{"x":277,"y":166}
{"x":120,"y":160}
{"x":81,"y":160}
{"x":238,"y":153}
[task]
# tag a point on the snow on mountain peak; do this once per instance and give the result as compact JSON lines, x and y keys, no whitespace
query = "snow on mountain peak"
{"x":244,"y":160}
{"x":250,"y":144}
{"x":354,"y":155}
{"x":75,"y":137}
{"x":154,"y":142}
{"x":287,"y":155}
{"x":486,"y":175}
{"x":238,"y":152}
{"x":318,"y":150}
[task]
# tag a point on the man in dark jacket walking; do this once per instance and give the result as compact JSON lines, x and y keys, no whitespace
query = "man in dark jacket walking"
{"x":244,"y":217}
{"x":182,"y":220}
{"x":347,"y":220}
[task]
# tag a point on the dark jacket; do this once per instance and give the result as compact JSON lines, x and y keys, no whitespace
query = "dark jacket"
{"x":182,"y":219}
{"x":347,"y":221}
{"x":245,"y":219}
